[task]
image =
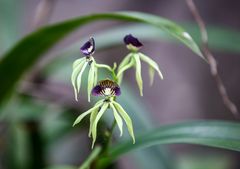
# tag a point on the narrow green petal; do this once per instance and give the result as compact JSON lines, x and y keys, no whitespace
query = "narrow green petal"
{"x":79,"y":78}
{"x":125,"y":61}
{"x":151,"y":73}
{"x":151,"y":63}
{"x":104,"y":67}
{"x":138,"y":73}
{"x":123,"y":69}
{"x":95,"y":76}
{"x":94,"y":127}
{"x":81,"y":116}
{"x":118,"y":119}
{"x":126,"y":118}
{"x":90,"y":80}
{"x":77,"y":67}
{"x":78,"y":61}
{"x":93,"y":117}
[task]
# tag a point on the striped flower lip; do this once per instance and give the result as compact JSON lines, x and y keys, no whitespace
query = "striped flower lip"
{"x":106,"y":88}
{"x":88,"y":48}
{"x":132,"y":43}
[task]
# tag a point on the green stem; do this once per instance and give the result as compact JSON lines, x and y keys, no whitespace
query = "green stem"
{"x":89,"y":161}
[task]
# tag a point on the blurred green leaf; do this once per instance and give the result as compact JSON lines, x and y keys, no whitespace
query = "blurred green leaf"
{"x":30,"y":48}
{"x":61,"y":167}
{"x":212,"y":133}
{"x":207,"y":160}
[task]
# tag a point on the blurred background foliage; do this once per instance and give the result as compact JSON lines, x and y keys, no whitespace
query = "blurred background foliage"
{"x":36,"y":122}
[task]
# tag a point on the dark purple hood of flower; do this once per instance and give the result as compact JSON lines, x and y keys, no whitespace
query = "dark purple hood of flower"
{"x":88,"y":48}
{"x":131,"y":40}
{"x":106,"y":88}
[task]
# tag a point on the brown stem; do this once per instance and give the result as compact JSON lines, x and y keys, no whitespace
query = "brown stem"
{"x":211,"y":60}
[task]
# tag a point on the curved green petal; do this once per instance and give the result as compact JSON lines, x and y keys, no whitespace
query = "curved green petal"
{"x":138,"y":73}
{"x":151,"y":73}
{"x":118,"y":119}
{"x":91,"y":80}
{"x":126,"y":118}
{"x":77,"y":67}
{"x":93,"y":117}
{"x":94,"y":127}
{"x":95,"y":76}
{"x":77,"y":62}
{"x":123,"y":69}
{"x":151,"y":63}
{"x":81,"y":116}
{"x":79,"y":78}
{"x":123,"y":63}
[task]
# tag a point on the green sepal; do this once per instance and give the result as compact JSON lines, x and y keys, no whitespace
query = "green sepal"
{"x":151,"y":63}
{"x":91,"y":78}
{"x":93,"y":117}
{"x":77,"y":67}
{"x":95,"y":76}
{"x":124,"y":67}
{"x":79,"y":78}
{"x":138,"y":73}
{"x":99,"y":115}
{"x":151,"y":73}
{"x":81,"y":116}
{"x":126,"y":118}
{"x":117,"y":118}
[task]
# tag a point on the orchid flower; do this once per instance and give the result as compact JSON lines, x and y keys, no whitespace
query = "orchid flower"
{"x":109,"y":90}
{"x":133,"y":59}
{"x":81,"y":64}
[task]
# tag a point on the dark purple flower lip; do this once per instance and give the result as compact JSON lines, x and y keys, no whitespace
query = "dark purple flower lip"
{"x":132,"y":42}
{"x":89,"y":47}
{"x":106,"y":88}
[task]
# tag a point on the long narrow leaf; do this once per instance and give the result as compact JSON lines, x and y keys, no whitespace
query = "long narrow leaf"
{"x":213,"y":133}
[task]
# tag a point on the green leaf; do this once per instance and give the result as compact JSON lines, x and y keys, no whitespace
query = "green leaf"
{"x":219,"y":134}
{"x":99,"y":115}
{"x":126,"y":118}
{"x":138,"y":73}
{"x":118,"y":119}
{"x":31,"y":48}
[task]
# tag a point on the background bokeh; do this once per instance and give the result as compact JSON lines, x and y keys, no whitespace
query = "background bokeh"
{"x":43,"y":107}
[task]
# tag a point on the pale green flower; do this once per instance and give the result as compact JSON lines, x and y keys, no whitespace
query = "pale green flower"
{"x":110,"y":90}
{"x":80,"y":65}
{"x":134,"y":59}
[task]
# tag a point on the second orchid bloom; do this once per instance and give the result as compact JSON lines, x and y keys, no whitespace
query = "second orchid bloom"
{"x":133,"y":59}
